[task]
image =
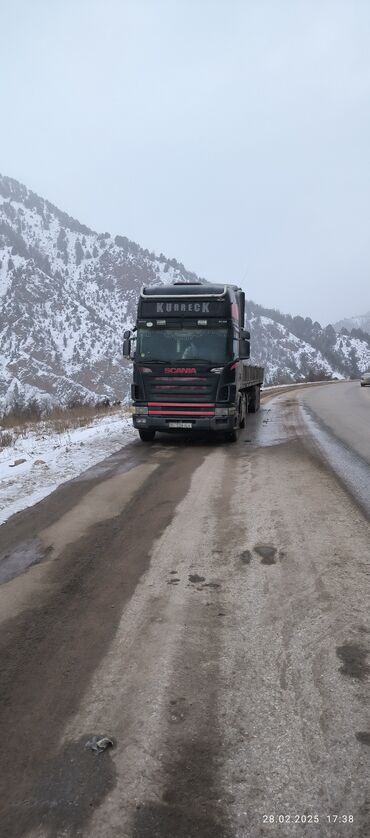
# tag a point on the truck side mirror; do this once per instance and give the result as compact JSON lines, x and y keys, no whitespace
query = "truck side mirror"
{"x":244,"y":345}
{"x":126,"y":351}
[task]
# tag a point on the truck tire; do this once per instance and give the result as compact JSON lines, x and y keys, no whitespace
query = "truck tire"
{"x":243,"y":410}
{"x":146,"y":435}
{"x":254,"y":399}
{"x":232,"y":436}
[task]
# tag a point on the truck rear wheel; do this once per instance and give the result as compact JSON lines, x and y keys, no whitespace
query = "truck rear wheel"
{"x":254,"y":399}
{"x":243,"y":410}
{"x":146,"y":435}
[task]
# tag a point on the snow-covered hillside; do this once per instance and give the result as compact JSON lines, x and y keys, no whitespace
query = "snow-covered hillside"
{"x":362,"y":321}
{"x":295,"y":359}
{"x":296,"y":349}
{"x":67,"y":294}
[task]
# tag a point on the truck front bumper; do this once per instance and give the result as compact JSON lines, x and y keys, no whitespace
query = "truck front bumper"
{"x":199,"y":423}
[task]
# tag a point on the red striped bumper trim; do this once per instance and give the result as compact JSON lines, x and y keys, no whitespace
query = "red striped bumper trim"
{"x":181,"y":414}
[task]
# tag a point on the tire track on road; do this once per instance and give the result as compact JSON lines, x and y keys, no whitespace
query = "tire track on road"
{"x":48,"y":654}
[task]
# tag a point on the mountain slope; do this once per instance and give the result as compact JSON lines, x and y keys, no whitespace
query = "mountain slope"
{"x":362,"y":321}
{"x":297,"y":349}
{"x":295,"y":360}
{"x":67,"y":294}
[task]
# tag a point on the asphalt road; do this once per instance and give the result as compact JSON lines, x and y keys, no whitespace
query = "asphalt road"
{"x":345,"y":410}
{"x":208,"y":607}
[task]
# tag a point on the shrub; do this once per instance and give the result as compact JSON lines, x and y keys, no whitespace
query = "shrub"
{"x":5,"y":439}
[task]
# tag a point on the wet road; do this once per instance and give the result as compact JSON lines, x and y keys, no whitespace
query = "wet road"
{"x":345,"y":410}
{"x":207,"y":606}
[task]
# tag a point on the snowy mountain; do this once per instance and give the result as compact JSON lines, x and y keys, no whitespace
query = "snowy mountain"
{"x":362,"y":321}
{"x":296,"y":359}
{"x":67,"y":294}
{"x":298,"y":349}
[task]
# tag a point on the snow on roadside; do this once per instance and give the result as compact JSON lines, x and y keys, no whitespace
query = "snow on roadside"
{"x":53,"y":458}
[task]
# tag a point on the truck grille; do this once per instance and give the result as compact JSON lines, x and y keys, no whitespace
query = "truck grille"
{"x":199,"y":390}
{"x":178,"y":409}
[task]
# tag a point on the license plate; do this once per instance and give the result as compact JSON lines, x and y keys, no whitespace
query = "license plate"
{"x":180,"y":425}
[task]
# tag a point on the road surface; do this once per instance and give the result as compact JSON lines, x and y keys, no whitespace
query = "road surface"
{"x":346,"y":415}
{"x":207,"y":606}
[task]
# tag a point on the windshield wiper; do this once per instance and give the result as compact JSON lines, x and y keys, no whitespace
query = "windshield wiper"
{"x":150,"y":361}
{"x":177,"y":361}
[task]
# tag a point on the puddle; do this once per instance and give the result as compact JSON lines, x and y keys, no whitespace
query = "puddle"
{"x":269,"y":426}
{"x":353,"y":657}
{"x":363,"y":736}
{"x":19,"y":560}
{"x":267,"y":553}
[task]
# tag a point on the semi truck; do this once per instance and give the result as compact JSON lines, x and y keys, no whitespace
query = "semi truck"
{"x":191,"y":367}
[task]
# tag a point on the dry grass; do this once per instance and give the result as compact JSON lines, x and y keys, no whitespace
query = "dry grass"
{"x":59,"y":420}
{"x":19,"y":418}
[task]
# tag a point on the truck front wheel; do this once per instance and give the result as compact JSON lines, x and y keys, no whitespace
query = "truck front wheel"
{"x":146,"y":435}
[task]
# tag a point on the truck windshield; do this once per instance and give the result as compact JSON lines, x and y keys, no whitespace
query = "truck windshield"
{"x":211,"y":345}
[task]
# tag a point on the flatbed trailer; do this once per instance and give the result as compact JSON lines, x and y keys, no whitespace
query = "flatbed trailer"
{"x":191,"y":368}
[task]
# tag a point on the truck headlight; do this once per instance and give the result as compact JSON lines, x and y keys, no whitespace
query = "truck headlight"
{"x":140,"y":411}
{"x":224,"y":411}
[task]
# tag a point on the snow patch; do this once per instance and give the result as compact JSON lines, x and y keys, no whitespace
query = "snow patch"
{"x":51,"y":459}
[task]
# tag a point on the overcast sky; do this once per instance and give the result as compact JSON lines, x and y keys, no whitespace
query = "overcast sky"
{"x":231,"y":134}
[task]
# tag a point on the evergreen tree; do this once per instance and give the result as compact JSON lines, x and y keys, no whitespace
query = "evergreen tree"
{"x":79,"y":252}
{"x":62,"y":240}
